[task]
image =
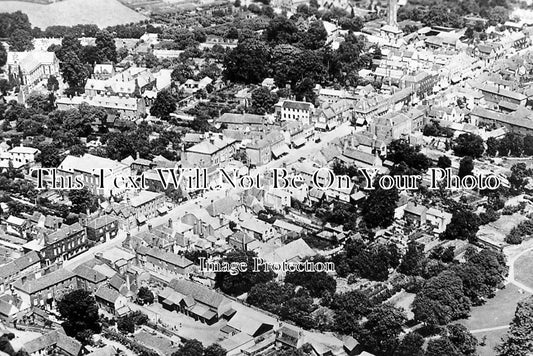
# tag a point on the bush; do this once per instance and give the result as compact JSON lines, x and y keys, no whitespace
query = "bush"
{"x":521,"y":231}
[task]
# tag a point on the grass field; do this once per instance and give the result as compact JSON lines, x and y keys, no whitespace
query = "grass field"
{"x":72,"y":12}
{"x":493,"y":338}
{"x":496,"y":231}
{"x":524,"y":268}
{"x":496,"y":312}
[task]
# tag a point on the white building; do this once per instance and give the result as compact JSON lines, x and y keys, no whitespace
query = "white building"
{"x":32,"y":67}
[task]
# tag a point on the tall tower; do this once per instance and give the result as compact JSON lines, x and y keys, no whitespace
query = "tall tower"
{"x":393,"y":11}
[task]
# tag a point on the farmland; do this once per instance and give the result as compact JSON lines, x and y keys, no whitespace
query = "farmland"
{"x":72,"y":12}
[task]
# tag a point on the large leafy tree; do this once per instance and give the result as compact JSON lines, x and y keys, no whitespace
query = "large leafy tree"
{"x":463,"y":226}
{"x":469,"y":144}
{"x":442,"y":347}
{"x":3,"y":55}
{"x":106,"y":45}
{"x":78,"y":309}
{"x":441,"y":300}
{"x":249,"y":62}
{"x":241,"y":282}
{"x":164,"y":105}
{"x":378,"y":208}
{"x":411,"y":345}
{"x":519,"y":341}
{"x":263,"y":101}
{"x":190,"y":347}
{"x":382,"y":328}
{"x":20,"y":41}
{"x":82,"y":200}
{"x":75,"y":73}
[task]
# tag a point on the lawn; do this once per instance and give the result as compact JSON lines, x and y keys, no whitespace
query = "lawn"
{"x":72,"y":12}
{"x":404,"y":300}
{"x":523,"y":267}
{"x":493,"y":338}
{"x":496,"y":231}
{"x":497,"y":311}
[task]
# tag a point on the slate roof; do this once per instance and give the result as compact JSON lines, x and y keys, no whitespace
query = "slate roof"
{"x":89,"y":274}
{"x":54,"y":338}
{"x":46,"y":281}
{"x":107,"y":294}
{"x":199,"y":292}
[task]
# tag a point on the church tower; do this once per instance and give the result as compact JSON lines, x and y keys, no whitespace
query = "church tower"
{"x":393,"y":12}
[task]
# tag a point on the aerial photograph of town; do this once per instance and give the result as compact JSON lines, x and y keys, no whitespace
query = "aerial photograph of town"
{"x":266,"y":177}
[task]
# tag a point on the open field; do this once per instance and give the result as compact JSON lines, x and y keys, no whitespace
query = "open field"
{"x":493,"y":338}
{"x":72,"y":12}
{"x":404,"y":300}
{"x":496,"y":231}
{"x":523,"y":269}
{"x":498,"y":311}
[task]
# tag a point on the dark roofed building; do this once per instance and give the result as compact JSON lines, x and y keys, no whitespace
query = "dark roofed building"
{"x":162,"y":262}
{"x":88,"y":278}
{"x":56,"y":343}
{"x":103,"y":228}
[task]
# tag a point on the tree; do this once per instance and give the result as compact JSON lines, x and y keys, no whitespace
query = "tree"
{"x":3,"y":56}
{"x":145,"y":296}
{"x":382,"y":328}
{"x":411,"y":345}
{"x":528,"y":145}
{"x":315,"y":37}
{"x":469,"y":144}
{"x":466,"y":166}
{"x":191,"y":347}
{"x":126,"y":324}
{"x":378,"y":208}
{"x":461,"y":338}
{"x":281,"y":30}
{"x":214,"y":350}
{"x":82,"y":200}
{"x":248,"y":62}
{"x":164,"y":105}
{"x":181,"y":73}
{"x":463,"y":226}
{"x":52,"y":83}
{"x":263,"y":101}
{"x":49,"y":156}
{"x":492,"y":146}
{"x":444,"y":162}
{"x":520,"y":334}
{"x":317,"y":283}
{"x":519,"y":177}
{"x":412,"y":261}
{"x":106,"y":45}
{"x":74,"y":72}
{"x":80,"y":312}
{"x":498,"y":15}
{"x":512,"y":144}
{"x":241,"y":282}
{"x":441,"y":347}
{"x":441,"y":300}
{"x":20,"y":41}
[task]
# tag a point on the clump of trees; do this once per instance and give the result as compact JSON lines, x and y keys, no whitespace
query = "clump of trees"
{"x":80,"y":312}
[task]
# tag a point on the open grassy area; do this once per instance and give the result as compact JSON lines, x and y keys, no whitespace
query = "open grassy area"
{"x":496,"y":231}
{"x":523,"y":269}
{"x":493,"y":338}
{"x":72,"y":12}
{"x":404,"y":300}
{"x":497,"y":311}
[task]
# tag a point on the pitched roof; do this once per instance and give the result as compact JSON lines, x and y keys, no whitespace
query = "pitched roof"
{"x":299,"y":105}
{"x":106,"y":293}
{"x":54,"y":338}
{"x":224,"y":205}
{"x":87,"y":163}
{"x":44,"y":282}
{"x":89,"y":274}
{"x":172,"y":258}
{"x":199,"y":292}
{"x":64,"y":232}
{"x":101,"y":221}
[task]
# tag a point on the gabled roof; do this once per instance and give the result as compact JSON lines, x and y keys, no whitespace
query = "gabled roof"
{"x":107,"y":294}
{"x":199,"y":292}
{"x":89,"y":274}
{"x":46,"y":281}
{"x":54,"y":339}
